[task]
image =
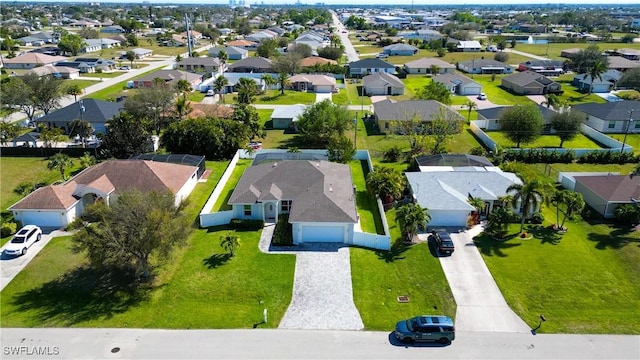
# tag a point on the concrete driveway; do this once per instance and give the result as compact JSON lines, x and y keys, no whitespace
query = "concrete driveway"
{"x":11,"y":266}
{"x":323,"y":96}
{"x":481,"y":306}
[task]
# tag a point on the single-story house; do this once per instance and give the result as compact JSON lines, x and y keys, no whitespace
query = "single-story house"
{"x":425,"y":34}
{"x":142,"y":53}
{"x":530,"y":83}
{"x":59,"y":205}
{"x":447,"y":193}
{"x":544,"y":67}
{"x":621,"y":64}
{"x":31,"y":60}
{"x":233,"y":52}
{"x":169,"y":76}
{"x":386,"y":112}
{"x":492,"y":116}
{"x":452,"y":162}
{"x":199,"y":110}
{"x":98,"y":63}
{"x":484,"y":66}
{"x":424,"y":66}
{"x":629,"y":54}
{"x":82,"y":67}
{"x":260,"y":36}
{"x":469,"y":46}
{"x":201,"y":65}
{"x":584,"y":82}
{"x":382,"y":84}
{"x":318,"y":196}
{"x":29,"y":139}
{"x":459,"y":84}
{"x":612,"y":117}
{"x":364,"y":67}
{"x":284,"y":117}
{"x":58,"y":72}
{"x":252,"y":65}
{"x":99,"y":44}
{"x":316,"y":60}
{"x":570,"y":53}
{"x":30,"y":41}
{"x":605,"y":193}
{"x":245,"y":44}
{"x":95,"y":112}
{"x":313,"y":83}
{"x":400,"y":50}
{"x":194,"y":34}
{"x":113,"y":29}
{"x":234,"y":78}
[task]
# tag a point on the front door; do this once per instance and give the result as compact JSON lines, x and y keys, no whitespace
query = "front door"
{"x":270,"y":212}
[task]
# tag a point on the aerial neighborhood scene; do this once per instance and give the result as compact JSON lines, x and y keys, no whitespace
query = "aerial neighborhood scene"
{"x":197,"y":181}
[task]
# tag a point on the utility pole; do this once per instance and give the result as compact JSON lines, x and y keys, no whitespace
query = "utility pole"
{"x":624,"y":140}
{"x":186,"y":23}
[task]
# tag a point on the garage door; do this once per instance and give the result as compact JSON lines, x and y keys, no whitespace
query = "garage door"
{"x":42,"y":218}
{"x":448,"y":218}
{"x":323,"y":234}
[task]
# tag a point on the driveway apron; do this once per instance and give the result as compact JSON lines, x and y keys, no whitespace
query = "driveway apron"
{"x":481,"y":306}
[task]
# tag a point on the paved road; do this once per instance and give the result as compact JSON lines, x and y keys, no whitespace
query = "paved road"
{"x":537,"y":57}
{"x":11,"y":266}
{"x":301,"y":344}
{"x":349,"y":50}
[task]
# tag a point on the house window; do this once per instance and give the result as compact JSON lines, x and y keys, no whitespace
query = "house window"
{"x":247,"y":210}
{"x":612,"y":125}
{"x":636,"y":125}
{"x":285,"y":206}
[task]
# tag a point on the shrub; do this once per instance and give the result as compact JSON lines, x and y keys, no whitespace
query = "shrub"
{"x":248,"y":225}
{"x":283,"y":233}
{"x":392,"y":154}
{"x":8,"y":228}
{"x":536,"y":218}
{"x":501,"y":56}
{"x":627,"y":215}
{"x":478,"y":150}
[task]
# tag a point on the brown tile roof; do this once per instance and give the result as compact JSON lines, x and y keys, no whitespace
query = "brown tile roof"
{"x":213,"y":110}
{"x":616,"y":188}
{"x":111,"y":176}
{"x":35,"y":58}
{"x":241,"y":43}
{"x":313,"y":60}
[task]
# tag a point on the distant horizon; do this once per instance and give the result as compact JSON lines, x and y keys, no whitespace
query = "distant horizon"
{"x":469,"y":3}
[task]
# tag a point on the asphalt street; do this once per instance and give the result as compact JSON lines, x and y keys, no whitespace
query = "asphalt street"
{"x":302,"y":344}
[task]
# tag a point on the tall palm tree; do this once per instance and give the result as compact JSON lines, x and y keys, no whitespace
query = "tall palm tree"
{"x":60,"y":162}
{"x":471,"y":105}
{"x":551,"y":101}
{"x":597,"y":69}
{"x":182,"y":107}
{"x":182,"y":86}
{"x":573,"y":203}
{"x":498,"y":223}
{"x":247,"y":90}
{"x":283,"y":81}
{"x":412,"y":217}
{"x":223,"y":56}
{"x":530,"y":195}
{"x":434,"y":69}
{"x":268,"y":81}
{"x":218,"y":85}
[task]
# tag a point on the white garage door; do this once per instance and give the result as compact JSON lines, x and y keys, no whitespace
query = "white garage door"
{"x":52,"y":218}
{"x":448,"y":218}
{"x":323,"y":234}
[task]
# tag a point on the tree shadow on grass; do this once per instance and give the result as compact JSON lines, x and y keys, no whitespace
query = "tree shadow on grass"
{"x":81,"y":295}
{"x":491,"y":247}
{"x":545,"y":234}
{"x":216,"y":260}
{"x":397,"y":249}
{"x":616,"y":239}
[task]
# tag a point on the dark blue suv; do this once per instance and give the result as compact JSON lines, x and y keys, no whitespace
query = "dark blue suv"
{"x":426,"y":328}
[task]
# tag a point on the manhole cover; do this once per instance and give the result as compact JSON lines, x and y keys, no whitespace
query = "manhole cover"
{"x":115,"y":350}
{"x":403,"y":299}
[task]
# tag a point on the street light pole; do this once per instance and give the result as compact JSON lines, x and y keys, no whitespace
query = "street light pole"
{"x":624,"y":140}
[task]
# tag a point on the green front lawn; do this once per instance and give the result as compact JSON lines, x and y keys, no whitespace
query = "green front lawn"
{"x":545,"y":141}
{"x":496,"y":94}
{"x":80,"y":82}
{"x":632,"y":140}
{"x":354,"y":92}
{"x":103,"y":74}
{"x":221,"y":204}
{"x":584,"y":281}
{"x":196,"y":96}
{"x":554,"y":49}
{"x":290,"y":97}
{"x":366,"y":203}
{"x":380,"y":277}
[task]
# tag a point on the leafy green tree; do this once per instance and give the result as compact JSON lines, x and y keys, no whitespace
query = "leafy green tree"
{"x":126,"y":135}
{"x":627,"y":215}
{"x":74,"y":90}
{"x":630,"y":79}
{"x":8,"y":131}
{"x":230,"y":243}
{"x":182,"y":107}
{"x":87,"y":160}
{"x":441,"y":128}
{"x":552,"y":101}
{"x":60,"y":162}
{"x":341,"y":150}
{"x":152,"y":105}
{"x":386,"y":182}
{"x":300,"y":50}
{"x":522,"y":124}
{"x":498,"y":221}
{"x":247,"y":90}
{"x":412,"y":217}
{"x":268,"y":48}
{"x":49,"y":136}
{"x":88,"y":33}
{"x":131,"y":56}
{"x":46,"y":91}
{"x":268,"y":80}
{"x":134,"y":233}
{"x":434,"y":91}
{"x":323,"y":121}
{"x":583,"y":60}
{"x":530,"y":195}
{"x":71,"y":43}
{"x":249,"y":117}
{"x":567,"y":125}
{"x":288,"y":63}
{"x":219,"y":84}
{"x":330,"y":52}
{"x":132,"y":39}
{"x":513,"y":43}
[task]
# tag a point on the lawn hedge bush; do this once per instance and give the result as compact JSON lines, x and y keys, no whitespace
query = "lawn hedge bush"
{"x":248,"y":225}
{"x":283,"y":233}
{"x":536,"y":156}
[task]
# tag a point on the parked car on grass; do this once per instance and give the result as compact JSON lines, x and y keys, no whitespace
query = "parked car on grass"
{"x":426,"y":328}
{"x":23,"y":240}
{"x":443,"y":241}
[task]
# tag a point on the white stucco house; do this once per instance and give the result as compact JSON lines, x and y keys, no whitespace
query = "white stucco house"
{"x":317,"y":195}
{"x":612,"y":117}
{"x":58,"y":205}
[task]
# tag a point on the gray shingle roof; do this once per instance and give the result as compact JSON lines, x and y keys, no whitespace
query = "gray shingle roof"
{"x":527,"y":77}
{"x":95,"y":111}
{"x":372,"y":63}
{"x":206,"y":61}
{"x":288,"y":112}
{"x":381,"y":77}
{"x":400,"y":47}
{"x":453,"y":79}
{"x":496,"y":112}
{"x":484,"y":63}
{"x":320,"y":191}
{"x":618,"y":110}
{"x":252,"y":62}
{"x":404,"y":110}
{"x":427,"y":62}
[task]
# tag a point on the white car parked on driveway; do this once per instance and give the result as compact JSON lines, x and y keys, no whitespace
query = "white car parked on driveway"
{"x":23,"y":240}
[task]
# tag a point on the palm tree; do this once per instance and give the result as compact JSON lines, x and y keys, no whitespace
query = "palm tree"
{"x":434,"y":69}
{"x":182,"y":107}
{"x":247,"y":90}
{"x":182,"y":86}
{"x":530,"y":195}
{"x":230,"y":243}
{"x":557,"y":199}
{"x":499,"y":221}
{"x":75,"y":90}
{"x":60,"y":162}
{"x":477,"y":203}
{"x":595,"y":71}
{"x":573,"y":203}
{"x":386,"y":182}
{"x":223,"y":56}
{"x":268,"y":81}
{"x":218,"y":85}
{"x":412,"y":217}
{"x":283,"y":81}
{"x":551,"y":101}
{"x":471,"y":105}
